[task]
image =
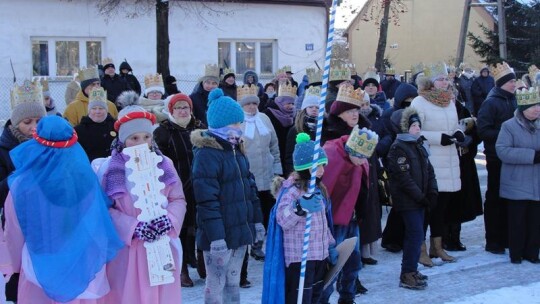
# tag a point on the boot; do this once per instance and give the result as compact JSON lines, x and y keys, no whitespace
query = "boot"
{"x":244,"y":283}
{"x":424,"y":257}
{"x":256,"y":251}
{"x":190,"y":250}
{"x":185,"y":280}
{"x":436,"y":250}
{"x":360,"y":289}
{"x":455,"y":237}
{"x":201,"y":269}
{"x":409,"y":280}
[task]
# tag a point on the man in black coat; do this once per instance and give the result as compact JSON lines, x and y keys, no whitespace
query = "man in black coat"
{"x":126,"y":73}
{"x":113,"y":83}
{"x":480,"y":88}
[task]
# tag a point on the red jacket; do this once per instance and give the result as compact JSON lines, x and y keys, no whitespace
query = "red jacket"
{"x":343,"y":180}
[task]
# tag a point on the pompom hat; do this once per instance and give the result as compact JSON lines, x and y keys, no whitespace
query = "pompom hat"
{"x":303,"y":153}
{"x":132,"y":118}
{"x":222,"y":110}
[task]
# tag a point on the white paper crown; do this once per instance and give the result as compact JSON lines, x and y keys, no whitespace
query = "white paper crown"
{"x":314,"y":75}
{"x":245,"y":91}
{"x":339,"y":73}
{"x":527,"y":97}
{"x":88,"y":73}
{"x":372,"y":74}
{"x":435,"y":70}
{"x":28,"y":92}
{"x":500,"y":69}
{"x":98,"y":94}
{"x":287,"y":89}
{"x":362,"y":142}
{"x":347,"y":93}
{"x":211,"y":70}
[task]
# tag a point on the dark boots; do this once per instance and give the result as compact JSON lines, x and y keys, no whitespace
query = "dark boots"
{"x":201,"y":269}
{"x":451,"y":240}
{"x":185,"y":280}
{"x":244,"y":283}
{"x":256,"y":251}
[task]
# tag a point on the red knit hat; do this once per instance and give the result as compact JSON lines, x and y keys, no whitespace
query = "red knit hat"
{"x":179,"y":97}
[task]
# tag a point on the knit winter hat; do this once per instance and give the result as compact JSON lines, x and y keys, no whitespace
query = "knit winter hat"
{"x":26,"y":102}
{"x":179,"y":97}
{"x":222,"y":110}
{"x":27,"y":110}
{"x":98,"y":98}
{"x":133,"y":118}
{"x":312,"y":97}
{"x":408,"y":117}
{"x":303,"y":153}
{"x":339,"y":107}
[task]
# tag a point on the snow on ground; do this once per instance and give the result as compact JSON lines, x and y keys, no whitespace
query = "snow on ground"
{"x":477,"y":277}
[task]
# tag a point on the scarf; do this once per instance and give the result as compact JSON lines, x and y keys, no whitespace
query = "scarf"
{"x":18,"y":134}
{"x":310,"y":122}
{"x":285,"y":118}
{"x":406,"y":137}
{"x":438,"y":97}
{"x":232,"y":135}
{"x":254,"y":122}
{"x":469,"y":75}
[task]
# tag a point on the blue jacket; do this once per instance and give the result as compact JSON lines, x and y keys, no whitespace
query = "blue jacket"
{"x":225,"y":193}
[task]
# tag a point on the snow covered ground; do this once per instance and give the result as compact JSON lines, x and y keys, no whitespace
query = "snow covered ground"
{"x":477,"y":277}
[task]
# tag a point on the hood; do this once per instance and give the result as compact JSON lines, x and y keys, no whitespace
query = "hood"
{"x":252,"y":73}
{"x":275,"y":187}
{"x":201,"y":139}
{"x":404,"y":119}
{"x":125,"y":65}
{"x":484,"y":69}
{"x":403,"y":92}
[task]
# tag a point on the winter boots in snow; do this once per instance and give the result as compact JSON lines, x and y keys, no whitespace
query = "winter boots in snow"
{"x":436,"y":250}
{"x":185,"y":280}
{"x":201,"y":268}
{"x":413,"y":280}
{"x":424,"y":257}
{"x":256,"y":251}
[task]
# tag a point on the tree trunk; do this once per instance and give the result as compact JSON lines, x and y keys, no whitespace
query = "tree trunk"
{"x":162,"y":37}
{"x":381,"y":46}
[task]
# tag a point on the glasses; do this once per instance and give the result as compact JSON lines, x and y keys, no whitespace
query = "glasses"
{"x":352,"y":111}
{"x":181,"y":108}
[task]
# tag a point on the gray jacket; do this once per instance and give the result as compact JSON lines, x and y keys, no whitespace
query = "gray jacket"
{"x":516,"y":144}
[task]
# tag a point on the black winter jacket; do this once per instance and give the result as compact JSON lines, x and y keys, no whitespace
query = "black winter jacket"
{"x":114,"y":86}
{"x":96,"y":138}
{"x":200,"y":103}
{"x":7,"y":143}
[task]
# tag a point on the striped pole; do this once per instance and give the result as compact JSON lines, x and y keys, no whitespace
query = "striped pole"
{"x":318,"y":133}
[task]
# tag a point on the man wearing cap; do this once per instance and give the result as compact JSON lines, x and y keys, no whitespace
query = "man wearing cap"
{"x":112,"y":82}
{"x":498,"y":107}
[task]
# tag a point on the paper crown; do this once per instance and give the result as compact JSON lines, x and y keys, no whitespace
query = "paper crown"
{"x":435,"y":69}
{"x":417,"y":68}
{"x":339,"y":73}
{"x":390,"y":71}
{"x":465,"y":65}
{"x":361,"y":142}
{"x":106,"y":61}
{"x":313,"y":91}
{"x":528,"y":96}
{"x":153,"y":80}
{"x":533,"y":70}
{"x":88,"y":73}
{"x":29,"y":91}
{"x":501,"y":69}
{"x":314,"y":75}
{"x":287,"y":89}
{"x":98,"y":94}
{"x":227,"y":71}
{"x":520,"y":84}
{"x":284,"y":69}
{"x":44,"y":83}
{"x":211,"y":70}
{"x":372,"y":74}
{"x":347,"y":93}
{"x":245,"y":91}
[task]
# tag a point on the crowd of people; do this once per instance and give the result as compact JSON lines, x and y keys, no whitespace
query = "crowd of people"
{"x":233,"y":180}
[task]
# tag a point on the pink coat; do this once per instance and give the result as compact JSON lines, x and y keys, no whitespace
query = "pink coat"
{"x":29,"y":292}
{"x":343,"y":180}
{"x":128,"y":272}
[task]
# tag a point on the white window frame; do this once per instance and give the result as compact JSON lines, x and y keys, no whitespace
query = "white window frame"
{"x":232,"y":45}
{"x":51,"y":44}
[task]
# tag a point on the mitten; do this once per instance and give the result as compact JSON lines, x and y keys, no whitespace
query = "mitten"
{"x":446,"y":140}
{"x":459,"y":136}
{"x":162,"y":225}
{"x":466,"y":142}
{"x":537,"y":157}
{"x":259,"y":232}
{"x":218,"y":247}
{"x":333,"y":255}
{"x":144,"y":232}
{"x":310,"y":202}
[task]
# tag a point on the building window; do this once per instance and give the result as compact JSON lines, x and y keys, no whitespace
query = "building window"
{"x":258,"y":56}
{"x":64,"y":56}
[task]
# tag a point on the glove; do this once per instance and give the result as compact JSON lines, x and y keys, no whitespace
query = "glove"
{"x":260,"y":232}
{"x":310,"y":202}
{"x":218,"y":247}
{"x":425,"y":201}
{"x":459,"y":136}
{"x":333,"y":255}
{"x":537,"y":157}
{"x":446,"y":140}
{"x":466,"y":142}
{"x":162,"y":225}
{"x":144,"y":232}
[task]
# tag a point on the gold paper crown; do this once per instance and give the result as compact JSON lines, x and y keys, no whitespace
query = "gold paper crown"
{"x":246,"y":90}
{"x":372,"y":74}
{"x":339,"y":73}
{"x":435,"y":69}
{"x":390,"y":71}
{"x":88,"y":73}
{"x":362,"y":142}
{"x":30,"y":91}
{"x":98,"y":94}
{"x":347,"y":93}
{"x":500,"y":69}
{"x":287,"y":89}
{"x":44,"y":83}
{"x":227,"y":71}
{"x":314,"y":75}
{"x":211,"y":70}
{"x":153,"y":80}
{"x":528,"y":96}
{"x":533,"y":70}
{"x":313,"y":91}
{"x":106,"y":61}
{"x":417,"y":68}
{"x":285,"y":69}
{"x":520,"y":84}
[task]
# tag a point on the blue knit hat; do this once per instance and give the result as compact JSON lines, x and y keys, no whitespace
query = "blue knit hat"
{"x":222,"y":110}
{"x":303,"y":153}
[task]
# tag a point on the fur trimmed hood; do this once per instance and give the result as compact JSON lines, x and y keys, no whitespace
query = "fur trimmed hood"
{"x":277,"y":183}
{"x":201,"y":139}
{"x":404,"y":121}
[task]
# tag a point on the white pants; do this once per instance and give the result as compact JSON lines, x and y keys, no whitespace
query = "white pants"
{"x":223,"y":276}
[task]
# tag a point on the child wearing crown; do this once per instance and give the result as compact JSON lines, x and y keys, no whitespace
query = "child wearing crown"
{"x":286,"y":231}
{"x":413,"y":187}
{"x":345,"y":179}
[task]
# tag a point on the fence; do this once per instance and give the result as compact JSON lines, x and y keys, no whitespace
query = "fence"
{"x":57,"y":88}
